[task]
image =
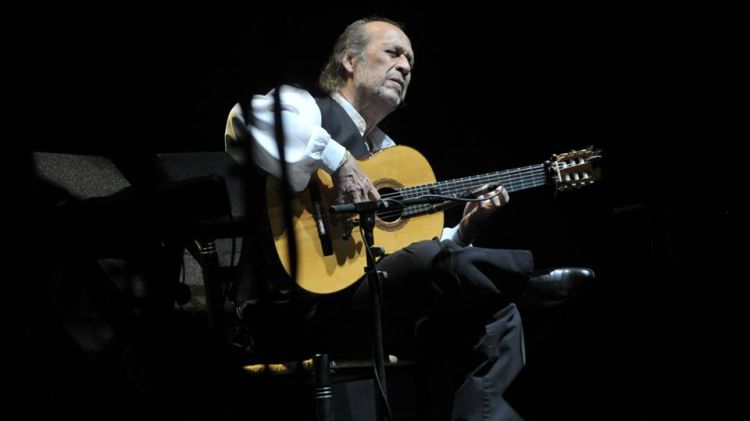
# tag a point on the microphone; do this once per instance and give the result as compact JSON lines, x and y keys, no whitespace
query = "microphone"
{"x":382,"y":204}
{"x":358,"y":207}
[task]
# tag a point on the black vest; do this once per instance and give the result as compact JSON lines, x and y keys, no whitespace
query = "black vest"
{"x":341,"y":127}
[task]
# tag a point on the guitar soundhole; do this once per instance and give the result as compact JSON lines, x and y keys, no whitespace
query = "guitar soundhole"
{"x":394,"y":211}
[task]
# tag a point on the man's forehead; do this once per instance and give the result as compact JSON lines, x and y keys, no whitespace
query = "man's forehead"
{"x":388,"y":33}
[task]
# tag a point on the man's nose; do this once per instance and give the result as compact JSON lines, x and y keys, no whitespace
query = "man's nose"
{"x":402,"y":65}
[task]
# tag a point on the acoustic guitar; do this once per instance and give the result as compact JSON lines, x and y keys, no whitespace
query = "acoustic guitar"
{"x":331,"y":255}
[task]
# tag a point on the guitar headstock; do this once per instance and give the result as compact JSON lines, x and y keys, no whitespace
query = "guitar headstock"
{"x":575,"y":169}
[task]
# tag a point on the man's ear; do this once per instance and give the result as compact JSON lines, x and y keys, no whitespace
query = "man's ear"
{"x":349,"y":61}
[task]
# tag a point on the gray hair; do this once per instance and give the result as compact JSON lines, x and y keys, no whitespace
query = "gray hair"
{"x":353,"y":40}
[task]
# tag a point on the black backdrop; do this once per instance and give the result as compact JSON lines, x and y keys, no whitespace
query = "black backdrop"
{"x":660,"y":87}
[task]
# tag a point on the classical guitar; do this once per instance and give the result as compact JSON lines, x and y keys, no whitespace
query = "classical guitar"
{"x":331,"y":255}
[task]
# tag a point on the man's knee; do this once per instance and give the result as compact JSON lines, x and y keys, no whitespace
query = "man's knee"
{"x":413,"y":259}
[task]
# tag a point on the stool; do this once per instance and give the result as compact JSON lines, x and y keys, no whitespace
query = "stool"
{"x":342,"y":389}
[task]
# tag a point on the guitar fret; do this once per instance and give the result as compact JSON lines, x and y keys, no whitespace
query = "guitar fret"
{"x":513,"y":180}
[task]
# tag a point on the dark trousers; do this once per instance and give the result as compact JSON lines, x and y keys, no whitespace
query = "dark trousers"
{"x":452,"y":307}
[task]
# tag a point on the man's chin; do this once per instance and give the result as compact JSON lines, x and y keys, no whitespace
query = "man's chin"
{"x":392,"y":97}
{"x":396,"y":99}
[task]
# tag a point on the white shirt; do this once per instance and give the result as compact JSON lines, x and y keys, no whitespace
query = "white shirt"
{"x":308,"y":146}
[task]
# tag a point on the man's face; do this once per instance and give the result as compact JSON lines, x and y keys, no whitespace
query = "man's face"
{"x":383,"y":73}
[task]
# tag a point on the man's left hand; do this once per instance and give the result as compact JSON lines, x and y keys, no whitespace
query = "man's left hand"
{"x":477,"y":213}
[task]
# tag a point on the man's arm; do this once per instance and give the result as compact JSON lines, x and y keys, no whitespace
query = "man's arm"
{"x":308,"y":146}
{"x":475,"y":216}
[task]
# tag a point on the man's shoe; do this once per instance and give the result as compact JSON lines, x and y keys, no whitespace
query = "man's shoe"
{"x":555,"y":287}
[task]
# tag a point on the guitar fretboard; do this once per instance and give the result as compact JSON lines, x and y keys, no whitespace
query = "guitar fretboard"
{"x":512,"y":180}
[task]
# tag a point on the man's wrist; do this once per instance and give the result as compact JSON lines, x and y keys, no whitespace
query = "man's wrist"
{"x":346,"y":157}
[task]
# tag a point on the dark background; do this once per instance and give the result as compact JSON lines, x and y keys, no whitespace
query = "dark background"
{"x":661,"y":88}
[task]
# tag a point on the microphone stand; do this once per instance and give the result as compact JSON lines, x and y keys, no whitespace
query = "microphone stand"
{"x":367,"y":212}
{"x":374,"y":282}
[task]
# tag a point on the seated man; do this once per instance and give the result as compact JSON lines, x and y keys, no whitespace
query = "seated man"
{"x":457,"y":299}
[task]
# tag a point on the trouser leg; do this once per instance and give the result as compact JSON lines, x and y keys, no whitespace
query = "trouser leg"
{"x":428,"y":276}
{"x":475,"y":348}
{"x":499,"y":356}
{"x":477,"y":353}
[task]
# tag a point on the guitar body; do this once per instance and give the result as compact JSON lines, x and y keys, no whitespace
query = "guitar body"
{"x":392,"y":168}
{"x":330,"y":260}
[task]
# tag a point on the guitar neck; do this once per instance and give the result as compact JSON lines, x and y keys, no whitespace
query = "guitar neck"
{"x":513,"y":180}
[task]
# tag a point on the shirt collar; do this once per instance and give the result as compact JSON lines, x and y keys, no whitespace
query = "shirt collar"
{"x":356,"y":117}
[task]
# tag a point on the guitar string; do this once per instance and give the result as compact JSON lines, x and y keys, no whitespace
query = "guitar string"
{"x":509,"y":181}
{"x":415,"y":210}
{"x":512,"y":180}
{"x":511,"y":185}
{"x":528,"y":181}
{"x":531,"y":178}
{"x":464,"y":183}
{"x":508,"y":178}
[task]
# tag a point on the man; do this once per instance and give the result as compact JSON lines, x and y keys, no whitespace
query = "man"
{"x":367,"y":77}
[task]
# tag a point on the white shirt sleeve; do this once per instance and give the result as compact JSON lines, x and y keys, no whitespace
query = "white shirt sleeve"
{"x":307,"y":145}
{"x":451,"y":233}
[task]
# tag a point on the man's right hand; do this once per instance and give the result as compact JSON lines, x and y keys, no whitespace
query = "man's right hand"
{"x":476,"y":214}
{"x":351,"y":184}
